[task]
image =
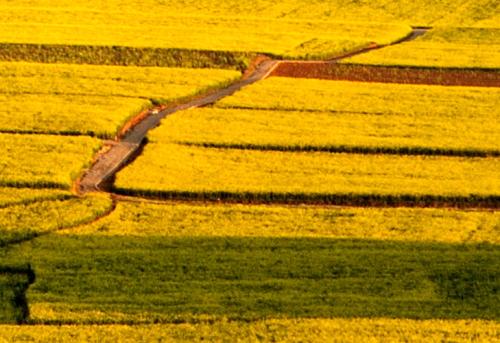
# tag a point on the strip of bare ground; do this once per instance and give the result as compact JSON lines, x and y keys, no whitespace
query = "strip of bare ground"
{"x":389,"y":74}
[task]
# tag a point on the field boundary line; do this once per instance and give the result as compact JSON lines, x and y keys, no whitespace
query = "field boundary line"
{"x":351,"y":149}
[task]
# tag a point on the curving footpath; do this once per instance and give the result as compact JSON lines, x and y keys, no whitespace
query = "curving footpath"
{"x":117,"y":154}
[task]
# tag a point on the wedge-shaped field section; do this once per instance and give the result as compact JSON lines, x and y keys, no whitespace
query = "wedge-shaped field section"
{"x":442,"y":47}
{"x":91,"y":100}
{"x":282,"y":93}
{"x":287,"y":114}
{"x":44,"y":161}
{"x":335,"y":330}
{"x":176,"y":170}
{"x":180,"y":262}
{"x":176,"y":29}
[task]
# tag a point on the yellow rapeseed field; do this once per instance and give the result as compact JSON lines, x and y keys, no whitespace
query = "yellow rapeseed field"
{"x":10,"y":196}
{"x":44,"y":161}
{"x":281,"y":93}
{"x":165,"y":168}
{"x":441,"y":47}
{"x":26,"y":221}
{"x":184,"y":26}
{"x":295,"y":130}
{"x":96,"y":100}
{"x":234,"y":220}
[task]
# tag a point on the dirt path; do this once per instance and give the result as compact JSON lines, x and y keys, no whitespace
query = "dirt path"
{"x":119,"y":153}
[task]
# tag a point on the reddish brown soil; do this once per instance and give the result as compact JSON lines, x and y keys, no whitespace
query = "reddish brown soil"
{"x":387,"y":74}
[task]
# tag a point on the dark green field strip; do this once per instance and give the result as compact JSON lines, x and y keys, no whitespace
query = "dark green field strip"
{"x":364,"y":200}
{"x":131,"y":279}
{"x":125,"y":56}
{"x":354,"y":149}
{"x":14,"y":281}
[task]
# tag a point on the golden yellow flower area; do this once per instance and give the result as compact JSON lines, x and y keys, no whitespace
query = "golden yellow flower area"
{"x":24,"y":221}
{"x":311,"y":95}
{"x":174,"y":219}
{"x":95,"y":100}
{"x":169,"y":168}
{"x":12,"y":196}
{"x":182,"y":25}
{"x":332,"y":131}
{"x":442,"y":47}
{"x":44,"y":161}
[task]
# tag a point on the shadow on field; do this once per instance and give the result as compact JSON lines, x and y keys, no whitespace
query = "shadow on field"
{"x":14,"y":281}
{"x":164,"y":279}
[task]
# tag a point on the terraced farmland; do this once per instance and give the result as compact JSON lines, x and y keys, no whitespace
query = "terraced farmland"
{"x":167,"y":176}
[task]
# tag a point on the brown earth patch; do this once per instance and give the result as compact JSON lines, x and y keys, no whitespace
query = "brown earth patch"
{"x":388,"y":74}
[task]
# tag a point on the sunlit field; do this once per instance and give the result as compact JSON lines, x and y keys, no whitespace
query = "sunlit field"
{"x":190,"y":171}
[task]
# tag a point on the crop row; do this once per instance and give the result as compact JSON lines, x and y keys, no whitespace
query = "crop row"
{"x":177,"y":169}
{"x":422,"y":134}
{"x":236,"y":220}
{"x":124,"y":56}
{"x":178,"y":31}
{"x":154,"y":15}
{"x":17,"y":196}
